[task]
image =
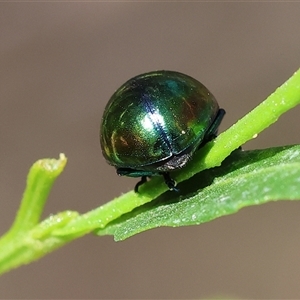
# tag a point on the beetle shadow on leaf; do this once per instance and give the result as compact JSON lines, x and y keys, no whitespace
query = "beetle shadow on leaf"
{"x":238,"y":159}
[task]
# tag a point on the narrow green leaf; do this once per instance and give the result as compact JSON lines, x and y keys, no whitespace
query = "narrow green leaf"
{"x":245,"y":178}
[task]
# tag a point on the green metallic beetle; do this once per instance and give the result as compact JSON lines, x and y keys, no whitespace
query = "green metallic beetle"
{"x":153,"y":124}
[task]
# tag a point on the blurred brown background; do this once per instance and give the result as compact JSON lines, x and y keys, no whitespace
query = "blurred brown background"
{"x":60,"y":63}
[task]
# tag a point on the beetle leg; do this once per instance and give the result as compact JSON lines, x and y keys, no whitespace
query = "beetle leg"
{"x":171,"y":183}
{"x":142,"y":181}
{"x":213,"y":130}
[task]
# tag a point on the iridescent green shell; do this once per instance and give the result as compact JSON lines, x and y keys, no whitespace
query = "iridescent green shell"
{"x":154,"y":117}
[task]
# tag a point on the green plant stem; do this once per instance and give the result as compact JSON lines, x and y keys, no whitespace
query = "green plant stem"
{"x":211,"y":155}
{"x":27,"y":240}
{"x":29,"y":246}
{"x":39,"y":183}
